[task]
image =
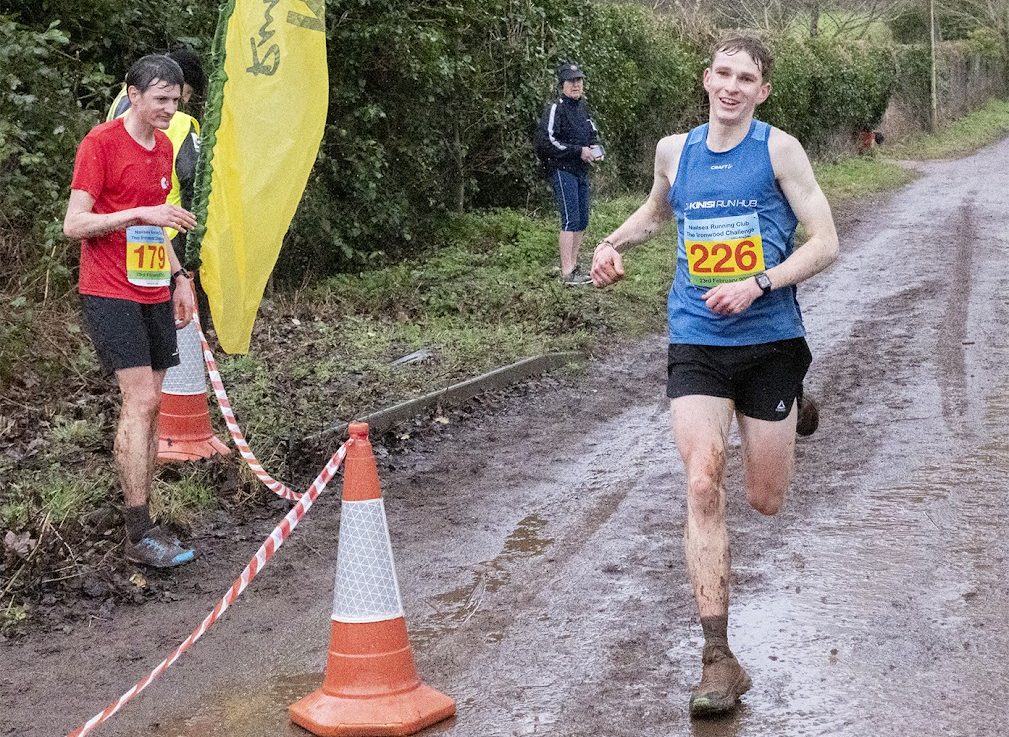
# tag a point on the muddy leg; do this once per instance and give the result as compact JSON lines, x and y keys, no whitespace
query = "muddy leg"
{"x":136,"y":435}
{"x":701,"y":428}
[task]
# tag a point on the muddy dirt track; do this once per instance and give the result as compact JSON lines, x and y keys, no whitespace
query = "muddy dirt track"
{"x":539,"y":548}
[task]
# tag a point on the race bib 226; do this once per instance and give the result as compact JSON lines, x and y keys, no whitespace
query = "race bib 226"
{"x":724,"y":249}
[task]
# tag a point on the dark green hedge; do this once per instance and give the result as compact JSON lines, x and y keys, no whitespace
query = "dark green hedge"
{"x":823,"y":88}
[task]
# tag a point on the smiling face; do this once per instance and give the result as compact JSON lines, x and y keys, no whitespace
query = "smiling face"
{"x":156,"y":105}
{"x":735,"y":86}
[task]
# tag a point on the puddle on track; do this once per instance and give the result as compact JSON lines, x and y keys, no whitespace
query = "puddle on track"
{"x":454,"y":608}
{"x":894,"y":619}
{"x":245,"y":709}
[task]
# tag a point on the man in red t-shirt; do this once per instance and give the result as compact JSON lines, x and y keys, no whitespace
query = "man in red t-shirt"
{"x":134,"y":292}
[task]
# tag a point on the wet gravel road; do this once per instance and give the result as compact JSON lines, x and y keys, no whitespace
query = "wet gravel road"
{"x":539,"y":548}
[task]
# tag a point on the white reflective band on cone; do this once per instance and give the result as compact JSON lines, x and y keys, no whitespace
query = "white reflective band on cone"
{"x":366,"y":587}
{"x":188,"y":377}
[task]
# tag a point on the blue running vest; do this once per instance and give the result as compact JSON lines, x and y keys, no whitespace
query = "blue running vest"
{"x":733,"y":221}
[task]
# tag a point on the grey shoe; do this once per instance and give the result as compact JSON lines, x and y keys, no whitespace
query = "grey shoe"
{"x":576,"y":278}
{"x":723,"y":681}
{"x":158,"y":549}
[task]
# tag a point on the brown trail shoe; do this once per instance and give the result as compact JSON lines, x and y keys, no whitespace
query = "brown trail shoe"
{"x":723,"y":681}
{"x":809,"y":416}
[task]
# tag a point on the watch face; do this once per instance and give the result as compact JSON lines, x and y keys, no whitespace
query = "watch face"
{"x":763,"y":281}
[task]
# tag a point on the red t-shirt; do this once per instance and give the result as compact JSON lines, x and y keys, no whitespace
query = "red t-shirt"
{"x":120,"y":174}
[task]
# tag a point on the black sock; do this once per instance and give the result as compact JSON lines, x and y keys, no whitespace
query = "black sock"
{"x":138,"y":522}
{"x":716,"y":631}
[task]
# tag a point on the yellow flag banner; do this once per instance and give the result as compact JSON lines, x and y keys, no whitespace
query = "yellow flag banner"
{"x":265,"y":117}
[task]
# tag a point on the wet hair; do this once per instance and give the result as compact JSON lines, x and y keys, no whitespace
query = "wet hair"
{"x":153,"y":68}
{"x":192,"y":69}
{"x":753,"y":47}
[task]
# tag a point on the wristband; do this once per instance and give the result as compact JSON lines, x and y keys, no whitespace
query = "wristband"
{"x":181,"y":272}
{"x":605,"y":242}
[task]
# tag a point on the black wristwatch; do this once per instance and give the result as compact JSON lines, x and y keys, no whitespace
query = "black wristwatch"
{"x":763,"y":281}
{"x":180,"y":272}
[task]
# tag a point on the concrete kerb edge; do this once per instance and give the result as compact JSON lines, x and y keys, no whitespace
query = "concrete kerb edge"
{"x":454,"y":395}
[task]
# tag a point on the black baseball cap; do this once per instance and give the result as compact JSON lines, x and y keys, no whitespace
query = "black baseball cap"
{"x":567,"y":72}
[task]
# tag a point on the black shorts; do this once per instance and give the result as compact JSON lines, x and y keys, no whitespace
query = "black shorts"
{"x":762,"y":380}
{"x":128,"y":334}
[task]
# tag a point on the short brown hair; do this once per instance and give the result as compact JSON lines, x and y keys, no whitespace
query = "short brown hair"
{"x":753,"y":46}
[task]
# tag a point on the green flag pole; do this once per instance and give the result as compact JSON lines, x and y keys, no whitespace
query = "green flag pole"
{"x":208,"y":137}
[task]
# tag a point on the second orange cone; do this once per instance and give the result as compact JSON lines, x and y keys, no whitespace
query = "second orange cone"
{"x":184,"y":431}
{"x":371,"y":687}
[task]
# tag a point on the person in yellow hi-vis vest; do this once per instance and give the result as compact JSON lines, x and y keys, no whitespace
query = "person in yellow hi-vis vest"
{"x":184,"y":133}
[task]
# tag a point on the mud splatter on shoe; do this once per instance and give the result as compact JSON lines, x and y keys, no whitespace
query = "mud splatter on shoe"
{"x":809,"y":416}
{"x":158,"y":549}
{"x":723,"y":681}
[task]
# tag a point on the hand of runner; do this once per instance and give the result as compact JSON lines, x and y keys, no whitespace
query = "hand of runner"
{"x":587,"y":156}
{"x":183,"y":302}
{"x":732,"y":298}
{"x":607,"y":265}
{"x":169,"y":216}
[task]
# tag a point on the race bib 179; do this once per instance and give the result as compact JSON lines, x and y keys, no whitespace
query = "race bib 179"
{"x":147,"y":262}
{"x":723,"y":250}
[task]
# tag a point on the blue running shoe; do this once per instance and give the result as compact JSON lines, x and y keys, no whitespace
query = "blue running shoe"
{"x":158,"y":549}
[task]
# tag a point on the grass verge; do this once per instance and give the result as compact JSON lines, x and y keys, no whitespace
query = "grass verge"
{"x":965,"y":135}
{"x":860,"y":177}
{"x":487,"y":294}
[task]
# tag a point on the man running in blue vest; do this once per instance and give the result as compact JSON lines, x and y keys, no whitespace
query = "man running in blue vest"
{"x":737,"y":188}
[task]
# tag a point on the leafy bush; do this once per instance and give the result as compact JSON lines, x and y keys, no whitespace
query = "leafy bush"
{"x":41,"y":121}
{"x":431,"y":110}
{"x":822,"y":88}
{"x":643,"y":82}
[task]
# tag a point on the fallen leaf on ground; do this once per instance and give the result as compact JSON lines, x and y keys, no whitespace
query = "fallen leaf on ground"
{"x":20,"y":545}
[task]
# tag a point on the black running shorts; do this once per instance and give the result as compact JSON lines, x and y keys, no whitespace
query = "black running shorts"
{"x":762,"y":380}
{"x":128,"y":334}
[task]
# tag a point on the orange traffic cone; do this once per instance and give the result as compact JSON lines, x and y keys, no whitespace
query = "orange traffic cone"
{"x":371,"y":687}
{"x":184,"y":432}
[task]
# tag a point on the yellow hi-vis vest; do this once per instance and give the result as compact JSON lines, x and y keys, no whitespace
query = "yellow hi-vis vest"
{"x":182,"y":126}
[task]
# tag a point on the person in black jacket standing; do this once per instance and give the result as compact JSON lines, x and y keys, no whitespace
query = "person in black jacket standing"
{"x":568,"y":143}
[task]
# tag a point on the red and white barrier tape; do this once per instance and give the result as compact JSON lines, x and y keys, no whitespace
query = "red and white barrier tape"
{"x":236,"y":432}
{"x":270,"y":546}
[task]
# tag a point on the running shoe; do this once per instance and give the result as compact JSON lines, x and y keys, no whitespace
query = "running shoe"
{"x":723,"y":681}
{"x":158,"y":549}
{"x":576,"y":278}
{"x":809,"y":416}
